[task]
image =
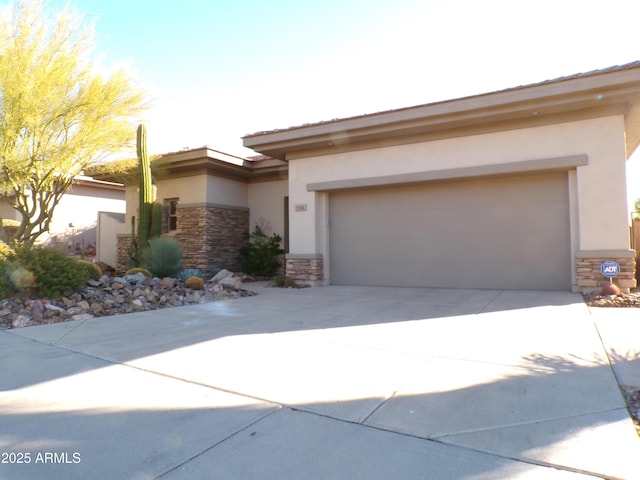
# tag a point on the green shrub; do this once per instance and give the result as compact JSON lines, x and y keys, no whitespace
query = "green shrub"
{"x":133,"y":271}
{"x":194,"y":283}
{"x":163,"y":257}
{"x":54,"y":271}
{"x":91,"y":269}
{"x":259,"y":255}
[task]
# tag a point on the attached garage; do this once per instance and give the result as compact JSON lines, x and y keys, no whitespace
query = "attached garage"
{"x":507,"y":232}
{"x":522,"y":188}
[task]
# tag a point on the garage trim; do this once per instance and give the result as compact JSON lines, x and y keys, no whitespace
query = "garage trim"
{"x":529,"y":166}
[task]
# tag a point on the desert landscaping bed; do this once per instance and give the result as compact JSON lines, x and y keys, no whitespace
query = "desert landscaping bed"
{"x":116,"y":295}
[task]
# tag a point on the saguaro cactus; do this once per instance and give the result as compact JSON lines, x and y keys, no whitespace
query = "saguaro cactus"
{"x":146,"y":190}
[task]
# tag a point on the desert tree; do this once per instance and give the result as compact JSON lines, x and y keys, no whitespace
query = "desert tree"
{"x":59,"y":112}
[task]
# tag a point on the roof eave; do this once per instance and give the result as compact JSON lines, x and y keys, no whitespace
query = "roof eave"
{"x":599,"y":94}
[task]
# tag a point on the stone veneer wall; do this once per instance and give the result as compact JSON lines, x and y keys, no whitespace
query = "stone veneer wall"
{"x":304,"y":267}
{"x":211,"y":235}
{"x":588,"y":276}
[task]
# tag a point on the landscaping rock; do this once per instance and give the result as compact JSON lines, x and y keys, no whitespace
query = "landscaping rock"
{"x":222,"y":274}
{"x":622,"y":300}
{"x":168,"y":282}
{"x":231,"y":281}
{"x":114,"y":296}
{"x":135,"y":278}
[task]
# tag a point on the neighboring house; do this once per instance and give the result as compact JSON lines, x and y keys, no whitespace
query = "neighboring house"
{"x":76,"y":217}
{"x":516,"y":189}
{"x":211,"y":201}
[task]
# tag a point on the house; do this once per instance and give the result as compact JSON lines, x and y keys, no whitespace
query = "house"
{"x":516,"y":189}
{"x":211,"y":200}
{"x":82,"y":217}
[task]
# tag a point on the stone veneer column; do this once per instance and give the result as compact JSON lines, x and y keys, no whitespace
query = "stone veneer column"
{"x":588,"y":276}
{"x":307,"y":268}
{"x":124,"y":240}
{"x":211,"y":235}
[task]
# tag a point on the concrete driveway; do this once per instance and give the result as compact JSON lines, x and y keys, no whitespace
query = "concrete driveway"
{"x":326,"y":383}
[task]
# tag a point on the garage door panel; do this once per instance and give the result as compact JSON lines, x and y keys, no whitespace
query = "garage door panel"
{"x":490,"y":233}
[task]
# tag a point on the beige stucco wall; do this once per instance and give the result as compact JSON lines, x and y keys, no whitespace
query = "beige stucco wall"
{"x":597,"y":191}
{"x":266,"y":200}
{"x":225,"y":192}
{"x":193,"y":190}
{"x":109,"y":224}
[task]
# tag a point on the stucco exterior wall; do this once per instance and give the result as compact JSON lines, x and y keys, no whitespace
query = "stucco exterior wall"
{"x":197,"y":189}
{"x":266,"y":200}
{"x":599,"y":219}
{"x":223,"y":191}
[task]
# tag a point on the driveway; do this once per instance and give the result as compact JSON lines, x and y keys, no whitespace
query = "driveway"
{"x":326,"y":383}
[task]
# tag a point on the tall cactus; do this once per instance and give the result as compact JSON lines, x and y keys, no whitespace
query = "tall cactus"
{"x":146,"y":190}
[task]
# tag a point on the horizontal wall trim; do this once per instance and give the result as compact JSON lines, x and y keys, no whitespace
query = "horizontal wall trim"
{"x":529,"y":166}
{"x":211,"y":205}
{"x":303,"y":256}
{"x":605,"y":254}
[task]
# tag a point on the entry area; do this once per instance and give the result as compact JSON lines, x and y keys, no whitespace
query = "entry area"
{"x":494,"y":233}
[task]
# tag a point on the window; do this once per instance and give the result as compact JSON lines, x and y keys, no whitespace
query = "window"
{"x":172,"y":210}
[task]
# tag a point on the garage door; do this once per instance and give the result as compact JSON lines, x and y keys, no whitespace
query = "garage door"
{"x":502,"y":233}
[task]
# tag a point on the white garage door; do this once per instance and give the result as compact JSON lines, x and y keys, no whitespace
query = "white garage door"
{"x":503,"y":233}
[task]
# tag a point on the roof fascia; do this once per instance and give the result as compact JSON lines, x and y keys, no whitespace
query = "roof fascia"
{"x":590,"y":95}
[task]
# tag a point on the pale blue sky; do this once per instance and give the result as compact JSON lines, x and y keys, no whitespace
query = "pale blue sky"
{"x":220,"y":69}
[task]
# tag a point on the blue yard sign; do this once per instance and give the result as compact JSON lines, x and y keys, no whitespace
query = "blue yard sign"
{"x":610,"y":269}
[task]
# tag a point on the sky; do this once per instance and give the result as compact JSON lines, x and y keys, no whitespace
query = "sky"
{"x":219,"y":69}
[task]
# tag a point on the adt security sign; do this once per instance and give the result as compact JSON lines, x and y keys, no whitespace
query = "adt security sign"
{"x":610,"y":269}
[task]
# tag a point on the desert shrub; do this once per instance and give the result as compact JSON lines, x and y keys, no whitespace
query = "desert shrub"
{"x":91,"y":269}
{"x":6,"y":290}
{"x":195,"y":283}
{"x":22,"y":279}
{"x":54,"y":271}
{"x":260,"y":255}
{"x":163,"y":257}
{"x":133,"y":271}
{"x":5,"y":251}
{"x":187,"y":273}
{"x":105,"y":268}
{"x":283,"y":281}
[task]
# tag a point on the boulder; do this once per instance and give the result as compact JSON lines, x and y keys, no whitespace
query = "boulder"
{"x":231,"y":282}
{"x":137,"y":305}
{"x":168,"y":282}
{"x":135,"y":278}
{"x":222,"y":274}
